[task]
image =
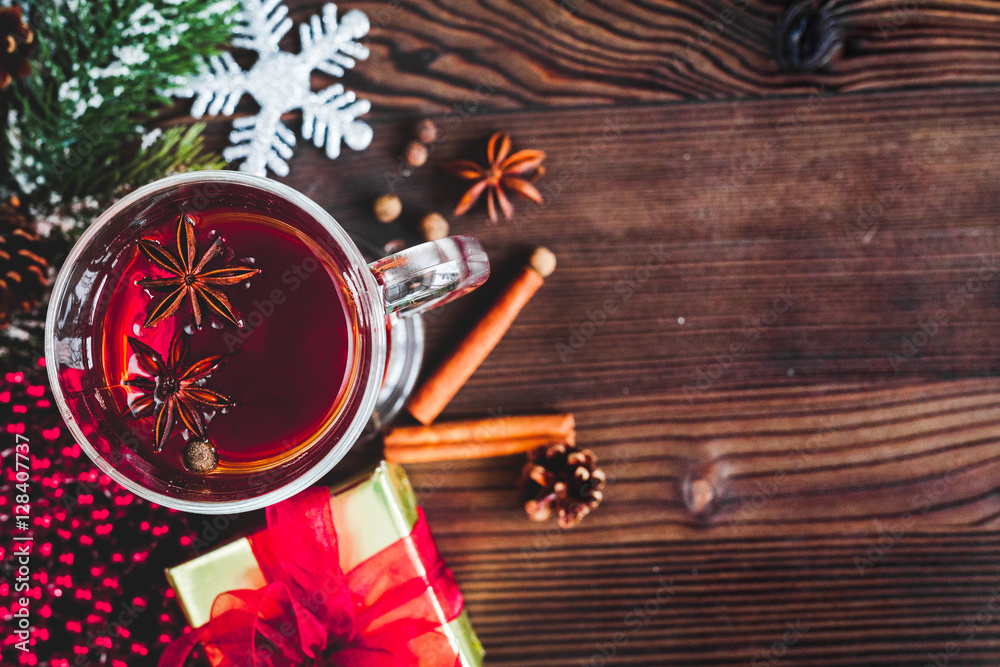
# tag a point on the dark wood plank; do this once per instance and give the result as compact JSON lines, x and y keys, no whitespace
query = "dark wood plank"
{"x":725,"y":602}
{"x":432,"y":56}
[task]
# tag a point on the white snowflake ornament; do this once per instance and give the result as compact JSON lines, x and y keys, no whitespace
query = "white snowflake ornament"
{"x":280,"y":82}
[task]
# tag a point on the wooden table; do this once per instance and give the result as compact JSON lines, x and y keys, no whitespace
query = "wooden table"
{"x":805,"y":272}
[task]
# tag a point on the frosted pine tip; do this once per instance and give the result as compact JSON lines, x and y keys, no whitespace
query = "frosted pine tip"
{"x":543,"y":261}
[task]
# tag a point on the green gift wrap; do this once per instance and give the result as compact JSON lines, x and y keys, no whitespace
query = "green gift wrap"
{"x":370,"y":513}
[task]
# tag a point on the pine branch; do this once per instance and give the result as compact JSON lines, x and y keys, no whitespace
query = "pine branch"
{"x":176,"y":150}
{"x":99,"y":72}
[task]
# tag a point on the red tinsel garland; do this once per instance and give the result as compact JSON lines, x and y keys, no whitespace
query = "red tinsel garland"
{"x":97,"y":593}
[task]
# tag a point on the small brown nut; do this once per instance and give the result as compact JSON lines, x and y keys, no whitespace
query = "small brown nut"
{"x":415,"y":154}
{"x":200,"y":456}
{"x":433,"y":226}
{"x":426,"y":131}
{"x":387,"y":208}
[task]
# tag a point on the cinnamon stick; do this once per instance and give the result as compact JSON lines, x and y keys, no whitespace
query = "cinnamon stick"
{"x":477,"y":438}
{"x":552,"y":427}
{"x":438,"y":390}
{"x":459,"y":451}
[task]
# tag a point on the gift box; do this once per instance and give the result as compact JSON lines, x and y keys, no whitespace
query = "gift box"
{"x":388,"y":588}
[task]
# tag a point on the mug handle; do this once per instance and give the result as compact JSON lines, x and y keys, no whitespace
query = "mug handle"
{"x":430,"y":274}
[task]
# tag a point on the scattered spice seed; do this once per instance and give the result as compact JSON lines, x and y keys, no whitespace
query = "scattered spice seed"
{"x":200,"y":456}
{"x":514,"y":173}
{"x":415,"y":154}
{"x":433,"y":226}
{"x":426,"y":131}
{"x":387,"y":208}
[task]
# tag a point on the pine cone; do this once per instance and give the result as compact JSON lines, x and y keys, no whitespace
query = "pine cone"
{"x":16,"y":43}
{"x":23,"y":267}
{"x":561,"y":477}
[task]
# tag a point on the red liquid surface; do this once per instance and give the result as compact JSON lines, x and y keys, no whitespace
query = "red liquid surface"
{"x":287,"y":370}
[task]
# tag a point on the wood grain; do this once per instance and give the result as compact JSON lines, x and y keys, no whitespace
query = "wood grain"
{"x":753,"y":602}
{"x":437,"y":55}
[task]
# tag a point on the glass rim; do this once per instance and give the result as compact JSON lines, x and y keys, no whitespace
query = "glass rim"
{"x":377,"y":334}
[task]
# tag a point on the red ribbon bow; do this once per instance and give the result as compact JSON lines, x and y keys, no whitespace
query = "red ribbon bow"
{"x":386,"y":611}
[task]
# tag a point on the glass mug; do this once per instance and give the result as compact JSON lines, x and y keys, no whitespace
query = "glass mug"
{"x":216,"y":342}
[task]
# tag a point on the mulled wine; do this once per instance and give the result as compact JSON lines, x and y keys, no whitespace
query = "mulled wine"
{"x":216,"y":342}
{"x":226,"y":329}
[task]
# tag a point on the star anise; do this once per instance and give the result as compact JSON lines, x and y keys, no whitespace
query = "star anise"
{"x":189,"y":279}
{"x":504,"y":172}
{"x":172,"y":389}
